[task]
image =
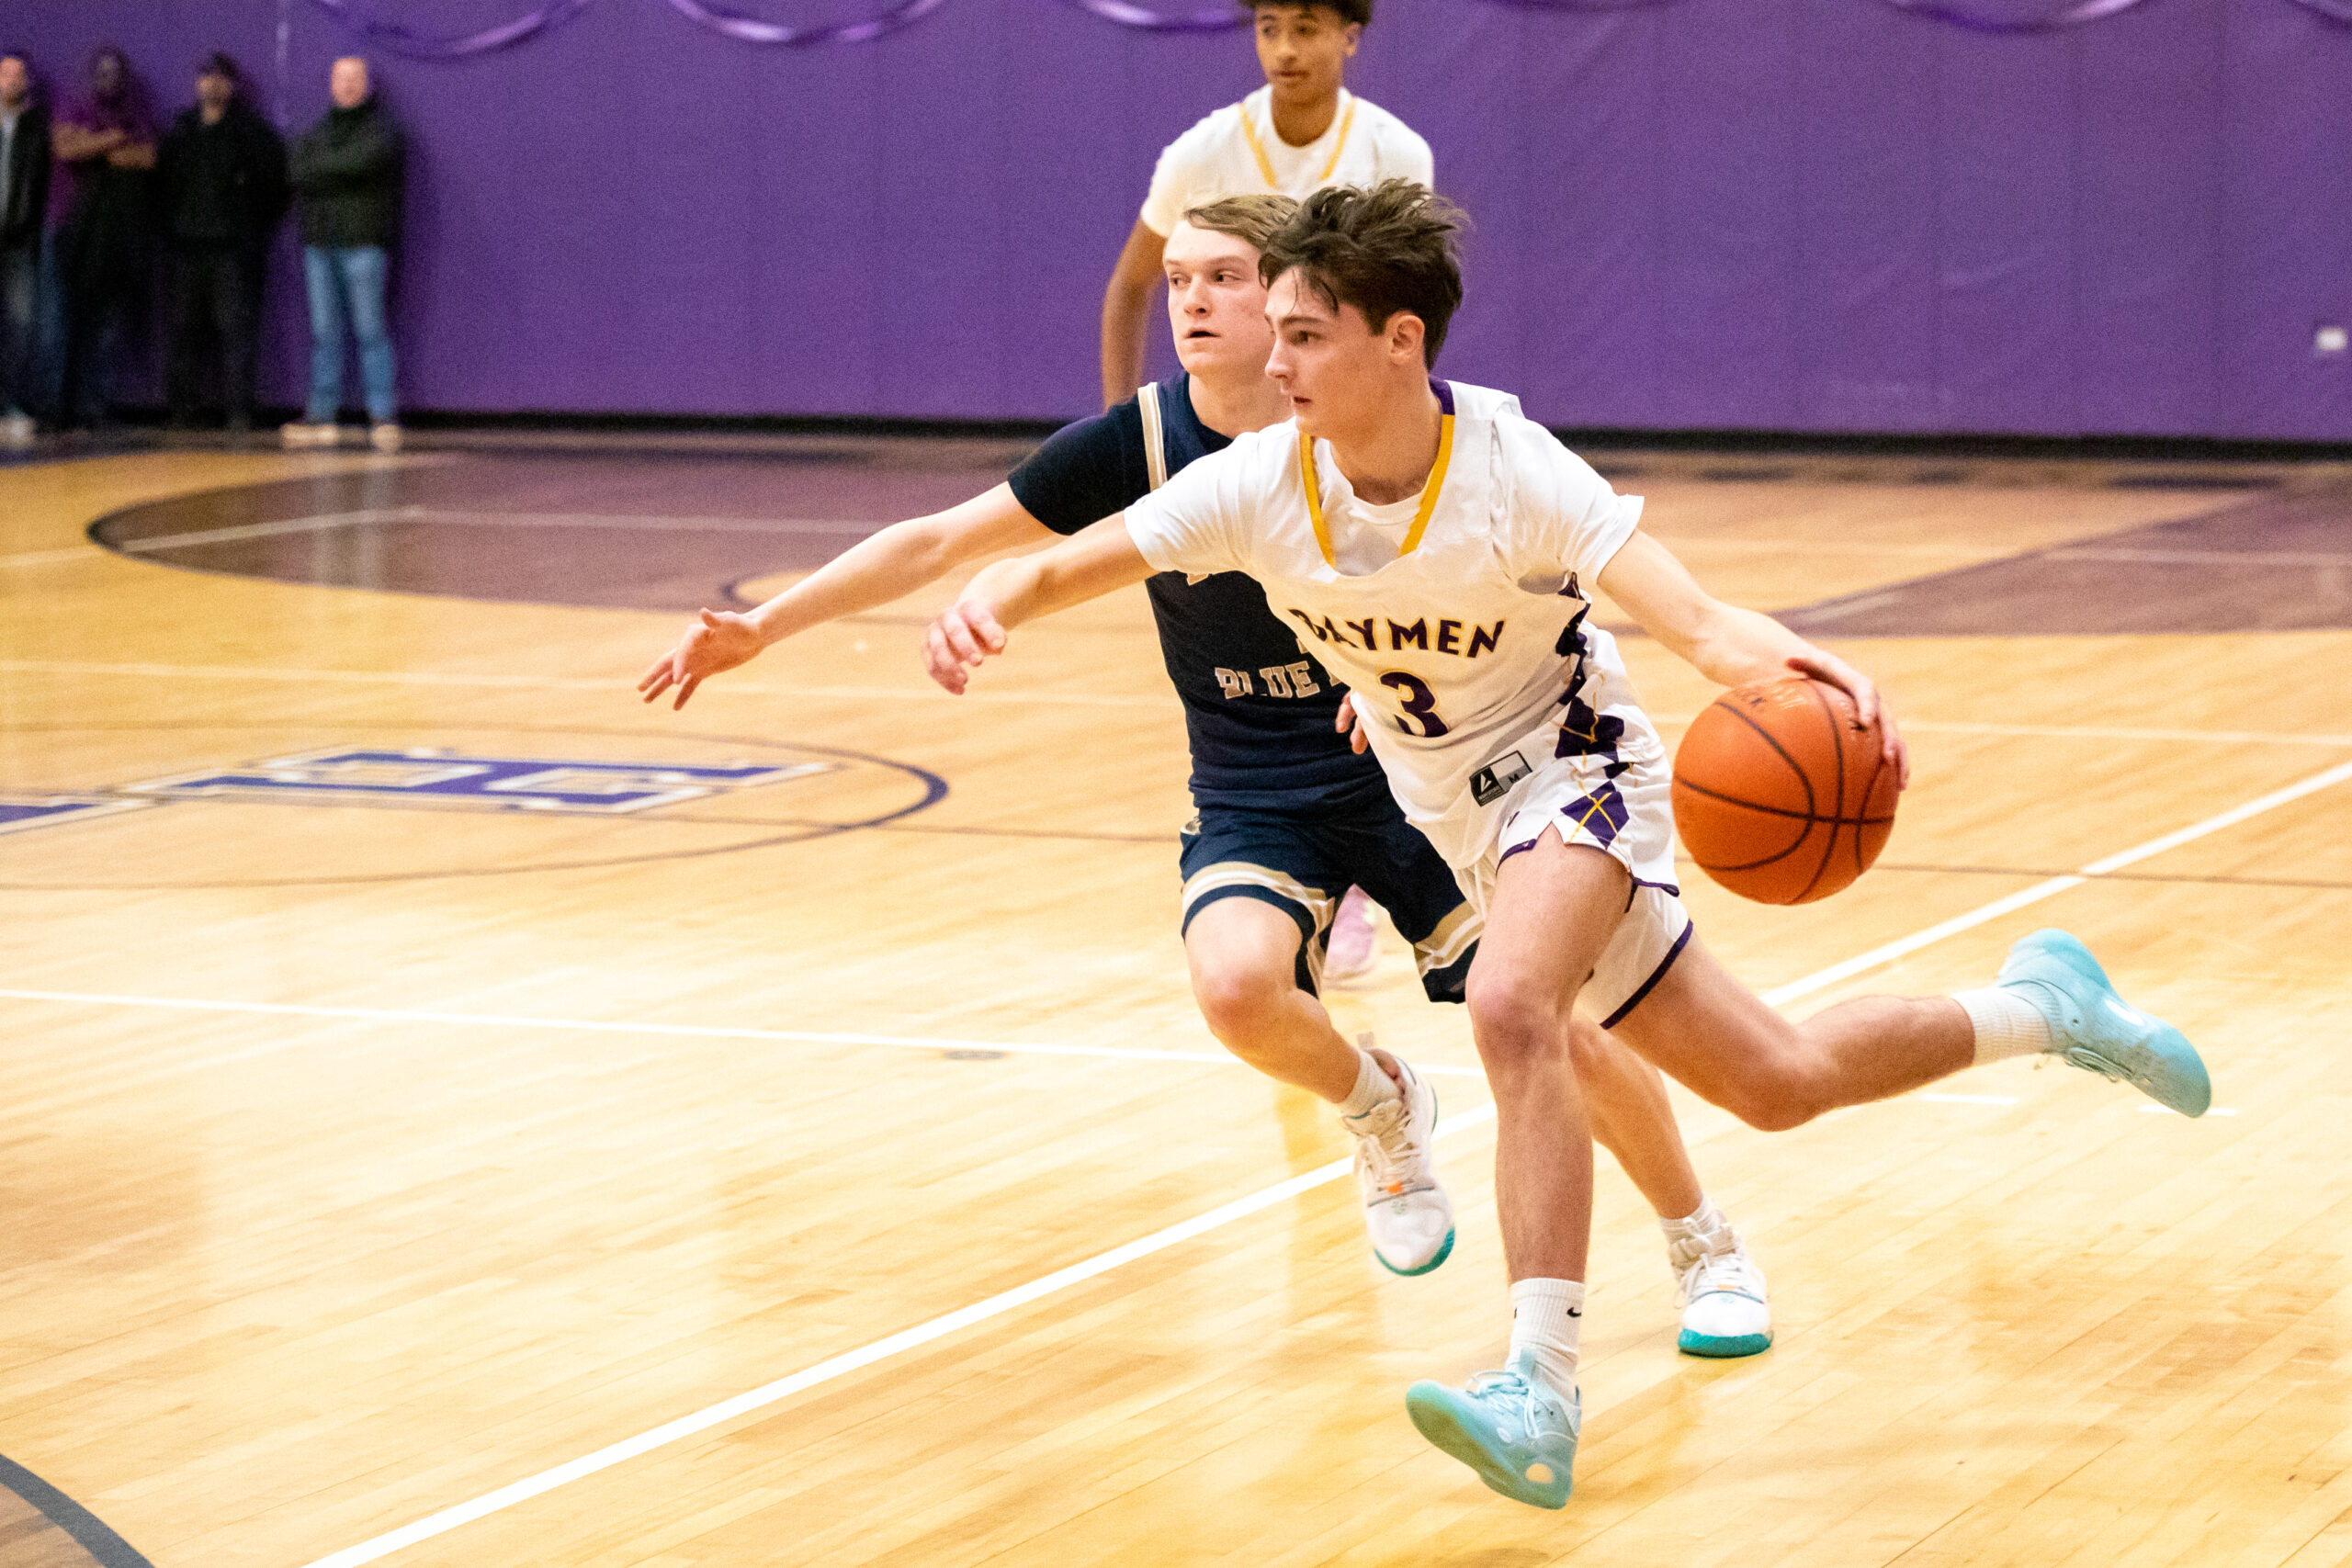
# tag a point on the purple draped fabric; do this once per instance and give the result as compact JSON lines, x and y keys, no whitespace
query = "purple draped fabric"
{"x":886,"y":19}
{"x":1212,"y":18}
{"x":1814,"y":215}
{"x":399,"y":39}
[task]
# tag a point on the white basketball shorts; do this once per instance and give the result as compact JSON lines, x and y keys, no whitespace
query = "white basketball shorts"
{"x":1628,"y":817}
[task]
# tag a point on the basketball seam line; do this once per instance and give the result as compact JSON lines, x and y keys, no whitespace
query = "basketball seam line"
{"x":1838,"y":762}
{"x":1682,"y":782}
{"x":1769,"y":739}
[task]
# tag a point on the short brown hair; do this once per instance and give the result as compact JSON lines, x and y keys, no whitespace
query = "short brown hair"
{"x":1358,"y":11}
{"x":1253,"y":220}
{"x":1389,"y":249}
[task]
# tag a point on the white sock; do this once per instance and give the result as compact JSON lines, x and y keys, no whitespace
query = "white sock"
{"x":1707,"y":1217}
{"x":1547,"y":1317}
{"x":2007,"y":1024}
{"x":1374,"y":1089}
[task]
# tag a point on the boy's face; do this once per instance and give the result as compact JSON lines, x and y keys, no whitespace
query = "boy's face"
{"x":1304,"y":48}
{"x":1216,"y":304}
{"x":1337,"y":370}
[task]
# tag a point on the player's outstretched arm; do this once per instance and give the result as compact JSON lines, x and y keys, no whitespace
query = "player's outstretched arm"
{"x":1087,"y":565}
{"x":1730,"y":645}
{"x":898,"y":559}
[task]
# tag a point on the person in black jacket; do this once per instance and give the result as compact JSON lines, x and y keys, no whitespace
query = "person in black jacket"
{"x":104,"y":145}
{"x":222,"y":170}
{"x":347,"y":172}
{"x":24,"y":199}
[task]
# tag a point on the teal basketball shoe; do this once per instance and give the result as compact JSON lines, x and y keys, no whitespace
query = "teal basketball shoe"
{"x":1508,"y":1427}
{"x":2095,"y":1030}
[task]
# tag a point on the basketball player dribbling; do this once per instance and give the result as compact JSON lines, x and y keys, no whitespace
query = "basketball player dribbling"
{"x":1439,"y":550}
{"x":1289,"y":813}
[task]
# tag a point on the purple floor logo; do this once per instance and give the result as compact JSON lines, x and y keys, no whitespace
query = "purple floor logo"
{"x":425,"y":776}
{"x":21,"y":811}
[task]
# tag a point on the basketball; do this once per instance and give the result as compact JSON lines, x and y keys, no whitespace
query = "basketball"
{"x":1781,"y":792}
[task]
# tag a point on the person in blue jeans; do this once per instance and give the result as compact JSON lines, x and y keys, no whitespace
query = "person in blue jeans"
{"x":346,"y":172}
{"x":24,"y":204}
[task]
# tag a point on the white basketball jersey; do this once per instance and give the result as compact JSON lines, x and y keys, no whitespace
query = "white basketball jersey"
{"x":1235,"y":151}
{"x":1459,"y":620}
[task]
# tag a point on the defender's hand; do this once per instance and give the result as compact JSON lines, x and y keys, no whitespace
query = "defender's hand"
{"x":958,"y":642}
{"x":717,"y":641}
{"x":1870,"y":706}
{"x":1344,"y":721}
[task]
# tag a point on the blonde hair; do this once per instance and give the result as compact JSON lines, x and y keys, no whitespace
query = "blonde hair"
{"x":1251,"y":218}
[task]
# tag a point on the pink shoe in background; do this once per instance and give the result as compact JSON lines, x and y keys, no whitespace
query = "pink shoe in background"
{"x":1351,"y":955}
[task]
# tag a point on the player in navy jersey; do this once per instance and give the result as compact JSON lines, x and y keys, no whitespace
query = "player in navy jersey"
{"x":1289,"y":814}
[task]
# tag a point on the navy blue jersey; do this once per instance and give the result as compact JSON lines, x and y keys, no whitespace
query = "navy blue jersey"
{"x":1259,"y":710}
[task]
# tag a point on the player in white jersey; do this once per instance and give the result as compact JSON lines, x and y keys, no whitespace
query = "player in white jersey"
{"x":1439,"y":551}
{"x":1299,"y":133}
{"x":1286,"y":815}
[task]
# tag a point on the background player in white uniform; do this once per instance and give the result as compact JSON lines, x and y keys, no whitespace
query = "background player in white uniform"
{"x":1288,"y":814}
{"x":1301,"y":131}
{"x":1442,"y":556}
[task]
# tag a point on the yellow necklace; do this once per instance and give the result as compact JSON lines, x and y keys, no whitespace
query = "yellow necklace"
{"x":1265,"y":165}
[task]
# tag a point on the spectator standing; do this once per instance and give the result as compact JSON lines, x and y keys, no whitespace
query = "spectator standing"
{"x":24,"y":205}
{"x":222,"y":171}
{"x":347,"y":172}
{"x":107,"y":144}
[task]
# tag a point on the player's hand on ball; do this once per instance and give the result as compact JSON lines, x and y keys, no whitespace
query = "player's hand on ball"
{"x":1870,"y":706}
{"x":958,"y":642}
{"x":717,"y":641}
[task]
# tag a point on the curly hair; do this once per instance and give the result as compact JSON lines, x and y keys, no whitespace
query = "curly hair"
{"x":1392,"y":248}
{"x":1356,"y":11}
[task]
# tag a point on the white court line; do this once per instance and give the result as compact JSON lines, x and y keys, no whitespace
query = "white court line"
{"x":52,"y":557}
{"x":2111,"y":732}
{"x":865,"y":1356}
{"x":234,"y":531}
{"x":672,"y":1030}
{"x":922,"y":1334}
{"x":451,"y":517}
{"x":611,"y":684}
{"x":2056,"y":886}
{"x":1075,"y":699}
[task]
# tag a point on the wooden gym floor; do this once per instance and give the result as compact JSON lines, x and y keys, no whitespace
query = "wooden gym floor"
{"x":784,"y":1172}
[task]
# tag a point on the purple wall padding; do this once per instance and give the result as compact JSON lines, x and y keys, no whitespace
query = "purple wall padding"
{"x":1822,"y":215}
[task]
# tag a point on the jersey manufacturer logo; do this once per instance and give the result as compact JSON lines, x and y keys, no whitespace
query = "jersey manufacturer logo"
{"x":426,"y":776}
{"x":1492,"y":782}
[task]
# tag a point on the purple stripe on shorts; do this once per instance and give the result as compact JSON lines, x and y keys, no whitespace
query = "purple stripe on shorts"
{"x":1655,"y":975}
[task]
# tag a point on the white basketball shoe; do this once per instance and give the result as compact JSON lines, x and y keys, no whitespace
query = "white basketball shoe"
{"x":1411,"y":1217}
{"x":1725,"y":1309}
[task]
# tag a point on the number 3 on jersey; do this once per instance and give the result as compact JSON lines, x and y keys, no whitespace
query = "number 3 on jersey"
{"x":1420,"y":717}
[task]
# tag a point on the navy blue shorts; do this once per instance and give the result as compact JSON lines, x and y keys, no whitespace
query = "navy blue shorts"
{"x":1304,"y":865}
